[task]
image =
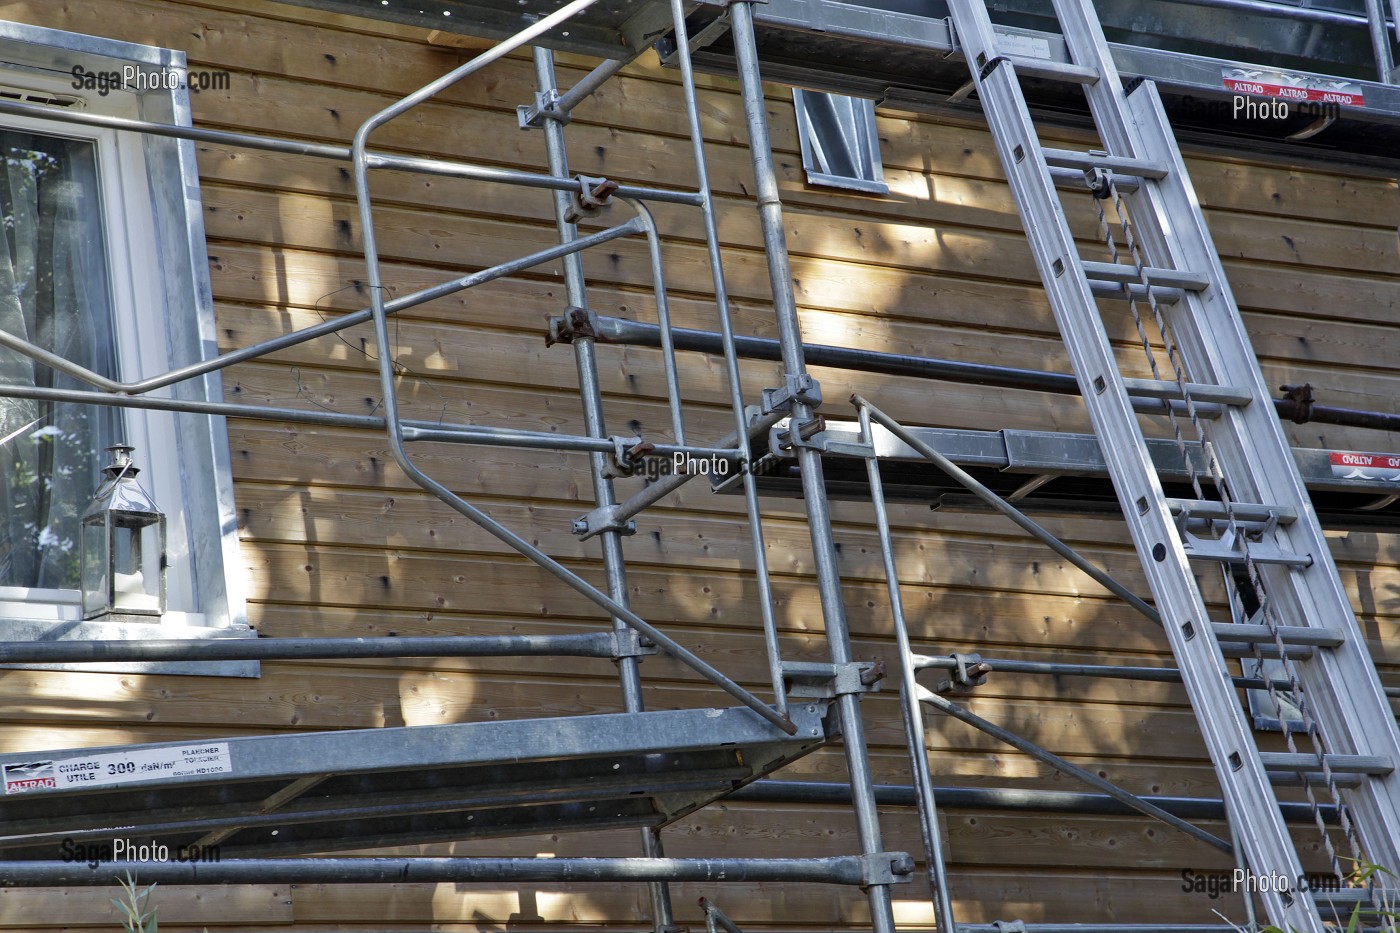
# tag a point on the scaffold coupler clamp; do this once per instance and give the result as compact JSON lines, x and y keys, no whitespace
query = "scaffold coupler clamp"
{"x":884,"y":868}
{"x":575,"y":322}
{"x":630,"y":644}
{"x":786,"y":436}
{"x":1010,"y":926}
{"x":593,"y":195}
{"x":627,"y":456}
{"x":1302,"y":398}
{"x":801,"y":388}
{"x":545,"y":107}
{"x":969,"y":671}
{"x":821,"y":679}
{"x":601,"y":519}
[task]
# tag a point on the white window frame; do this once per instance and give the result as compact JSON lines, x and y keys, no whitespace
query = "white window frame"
{"x":160,"y":284}
{"x":855,"y":137}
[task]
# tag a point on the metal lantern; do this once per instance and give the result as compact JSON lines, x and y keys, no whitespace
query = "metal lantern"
{"x":123,"y":546}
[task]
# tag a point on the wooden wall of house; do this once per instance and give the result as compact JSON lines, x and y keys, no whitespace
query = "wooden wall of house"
{"x":337,"y":542}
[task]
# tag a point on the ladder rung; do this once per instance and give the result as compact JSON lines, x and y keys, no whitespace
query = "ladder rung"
{"x":1199,"y":391}
{"x":1349,"y":897}
{"x":1259,"y":552}
{"x":1239,"y":649}
{"x":1068,"y":158}
{"x":1339,"y":764}
{"x":1052,"y":71}
{"x":1295,"y":779}
{"x":1119,"y":272}
{"x":1244,"y":511}
{"x":1288,"y":634}
{"x":1165,"y":295}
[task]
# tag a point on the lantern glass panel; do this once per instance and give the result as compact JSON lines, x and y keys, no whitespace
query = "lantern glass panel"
{"x":124,"y":559}
{"x":96,"y":595}
{"x":136,"y":542}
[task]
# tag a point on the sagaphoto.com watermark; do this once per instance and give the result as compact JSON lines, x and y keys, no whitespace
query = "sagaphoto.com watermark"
{"x":1215,"y":884}
{"x":138,"y":80}
{"x":1248,"y":107}
{"x":716,"y":469}
{"x":94,"y":854}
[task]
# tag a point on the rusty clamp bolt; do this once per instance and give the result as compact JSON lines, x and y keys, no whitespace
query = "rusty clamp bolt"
{"x":593,"y":195}
{"x":971,"y":671}
{"x":627,"y":455}
{"x":575,"y":322}
{"x":1302,"y":398}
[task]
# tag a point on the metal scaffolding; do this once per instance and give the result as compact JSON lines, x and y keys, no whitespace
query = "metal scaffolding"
{"x":484,"y":785}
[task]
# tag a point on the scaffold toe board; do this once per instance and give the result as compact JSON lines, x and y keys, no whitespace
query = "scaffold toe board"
{"x":316,"y":792}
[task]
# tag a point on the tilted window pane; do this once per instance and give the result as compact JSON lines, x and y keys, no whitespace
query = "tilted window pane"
{"x":840,"y":146}
{"x":55,"y":292}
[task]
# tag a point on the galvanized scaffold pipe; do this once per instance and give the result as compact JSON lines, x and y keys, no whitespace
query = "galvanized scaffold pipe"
{"x":1010,"y":511}
{"x":845,"y":870}
{"x":411,"y":430}
{"x":663,"y":317}
{"x":728,"y":348}
{"x":591,"y":392}
{"x":908,"y":699}
{"x":813,"y":484}
{"x":298,"y":147}
{"x":641,"y":334}
{"x":388,"y":376}
{"x":325,"y":328}
{"x":1380,"y":41}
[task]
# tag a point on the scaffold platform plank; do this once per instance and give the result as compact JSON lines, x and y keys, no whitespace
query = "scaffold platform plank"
{"x":608,"y":28}
{"x":906,"y":56}
{"x":354,"y":789}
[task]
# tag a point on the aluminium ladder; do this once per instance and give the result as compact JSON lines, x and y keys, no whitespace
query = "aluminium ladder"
{"x":1271,"y":526}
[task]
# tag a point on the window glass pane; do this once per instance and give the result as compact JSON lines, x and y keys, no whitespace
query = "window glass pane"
{"x":839,"y":142}
{"x":54,"y":292}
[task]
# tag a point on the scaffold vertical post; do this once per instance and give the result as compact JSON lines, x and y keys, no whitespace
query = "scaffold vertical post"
{"x":809,"y":460}
{"x":590,"y":391}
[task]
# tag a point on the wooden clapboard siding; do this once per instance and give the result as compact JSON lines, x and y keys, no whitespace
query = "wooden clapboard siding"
{"x":337,"y":542}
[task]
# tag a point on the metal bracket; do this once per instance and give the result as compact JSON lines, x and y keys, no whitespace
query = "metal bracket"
{"x":600,"y":520}
{"x":546,"y":107}
{"x":666,"y":46}
{"x":575,"y":322}
{"x":1100,"y":182}
{"x":971,"y":672}
{"x":826,"y":680}
{"x":837,"y":443}
{"x":887,"y":868}
{"x":801,"y":388}
{"x":593,"y":195}
{"x":1234,"y":545}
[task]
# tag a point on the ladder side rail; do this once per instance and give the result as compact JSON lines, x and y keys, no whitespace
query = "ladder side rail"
{"x":1246,"y":786}
{"x":1341,"y":684}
